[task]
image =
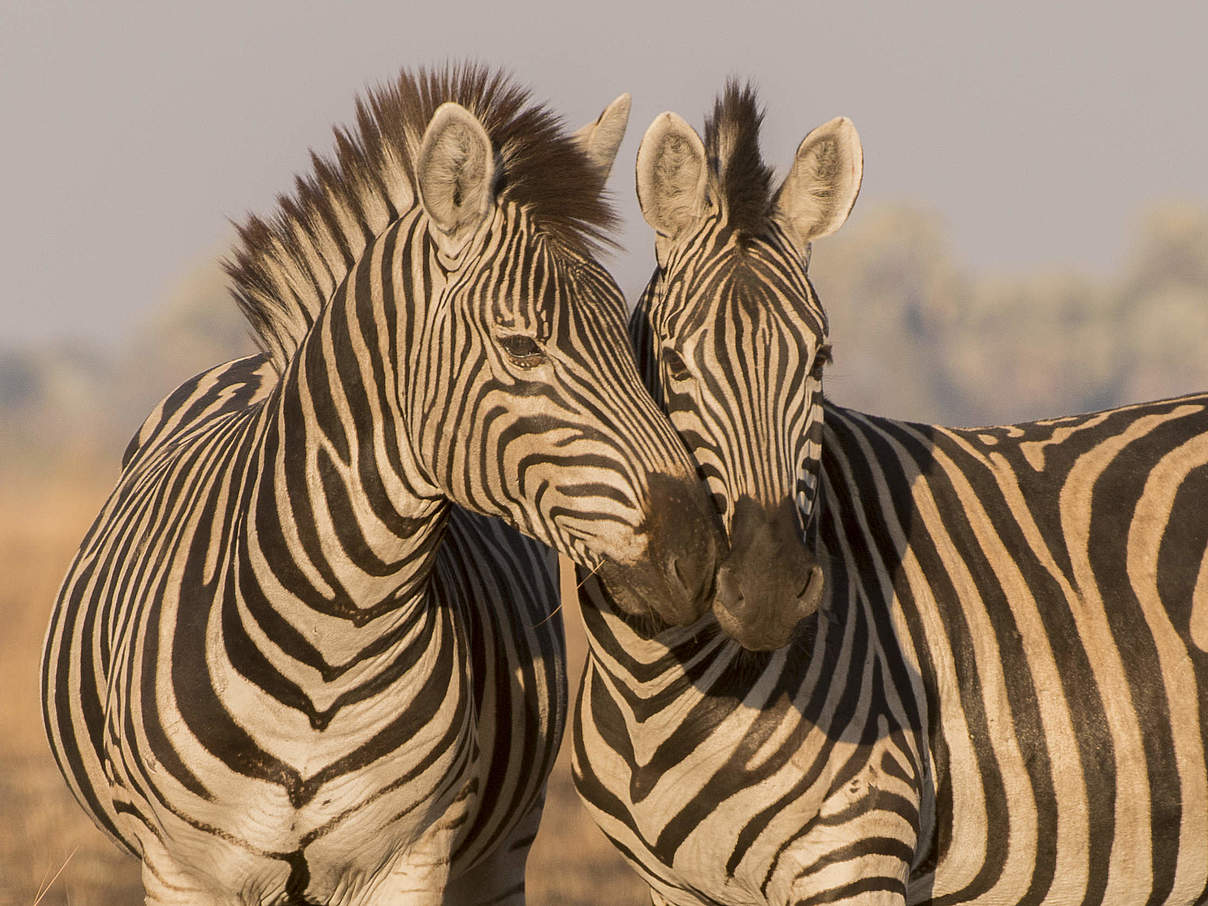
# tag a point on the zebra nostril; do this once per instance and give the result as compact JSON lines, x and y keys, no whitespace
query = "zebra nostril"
{"x":808,"y":586}
{"x":727,"y":584}
{"x":678,"y":572}
{"x":811,"y":592}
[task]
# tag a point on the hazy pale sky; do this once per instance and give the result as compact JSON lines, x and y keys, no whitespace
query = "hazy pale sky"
{"x":132,"y":131}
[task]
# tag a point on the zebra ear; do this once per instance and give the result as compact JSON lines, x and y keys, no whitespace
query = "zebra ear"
{"x":600,"y":140}
{"x":672,"y":176}
{"x":455,"y":170}
{"x":820,"y":190}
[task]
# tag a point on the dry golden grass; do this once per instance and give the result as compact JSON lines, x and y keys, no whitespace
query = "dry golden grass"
{"x":43,"y":830}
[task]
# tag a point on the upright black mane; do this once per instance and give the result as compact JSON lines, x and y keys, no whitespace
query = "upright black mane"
{"x":286,"y":267}
{"x":732,"y":144}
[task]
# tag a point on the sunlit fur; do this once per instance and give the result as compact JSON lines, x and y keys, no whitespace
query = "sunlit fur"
{"x":1004,"y":696}
{"x":288,"y":266}
{"x":284,"y":668}
{"x":716,"y":301}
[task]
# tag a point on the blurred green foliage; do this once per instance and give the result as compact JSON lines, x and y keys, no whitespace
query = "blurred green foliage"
{"x":71,"y":402}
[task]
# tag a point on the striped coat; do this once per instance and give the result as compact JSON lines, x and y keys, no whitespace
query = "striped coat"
{"x":1002,"y":699}
{"x":1000,"y":693}
{"x":294,"y":660}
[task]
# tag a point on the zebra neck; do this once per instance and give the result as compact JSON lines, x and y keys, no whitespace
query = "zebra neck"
{"x":648,"y":662}
{"x":344,"y":523}
{"x":684,"y":683}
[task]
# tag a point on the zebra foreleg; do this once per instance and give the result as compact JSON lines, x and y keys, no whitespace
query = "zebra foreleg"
{"x":166,"y":885}
{"x":499,"y":879}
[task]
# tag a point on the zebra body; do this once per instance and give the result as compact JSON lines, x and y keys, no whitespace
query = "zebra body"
{"x":994,"y":704}
{"x":292,"y":815}
{"x":289,"y":665}
{"x":1002,"y":694}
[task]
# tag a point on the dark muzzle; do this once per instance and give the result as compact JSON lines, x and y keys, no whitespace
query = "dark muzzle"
{"x":675,"y":580}
{"x":770,"y":581}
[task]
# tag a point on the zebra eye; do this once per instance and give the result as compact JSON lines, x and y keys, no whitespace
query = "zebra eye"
{"x":675,"y":365}
{"x":822,"y":358}
{"x":523,"y":351}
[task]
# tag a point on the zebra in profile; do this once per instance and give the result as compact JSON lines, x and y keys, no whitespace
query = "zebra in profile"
{"x":999,"y":691}
{"x":293,"y":661}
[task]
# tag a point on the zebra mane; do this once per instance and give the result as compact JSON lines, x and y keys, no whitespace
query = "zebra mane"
{"x":732,"y":144}
{"x":286,"y":267}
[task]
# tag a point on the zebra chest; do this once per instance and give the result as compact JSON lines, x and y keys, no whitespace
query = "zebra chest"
{"x":758,"y":835}
{"x":748,"y":808}
{"x":264,"y":777}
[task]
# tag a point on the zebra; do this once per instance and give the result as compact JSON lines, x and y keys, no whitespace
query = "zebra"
{"x":296,"y":658}
{"x":999,"y":692}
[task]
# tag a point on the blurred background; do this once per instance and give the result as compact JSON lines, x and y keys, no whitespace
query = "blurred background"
{"x":1031,"y":240}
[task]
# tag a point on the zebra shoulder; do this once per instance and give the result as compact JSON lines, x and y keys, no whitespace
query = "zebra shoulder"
{"x":222,"y":389}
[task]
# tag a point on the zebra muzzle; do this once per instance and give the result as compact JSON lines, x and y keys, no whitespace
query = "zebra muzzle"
{"x":770,"y":582}
{"x":674,"y":579}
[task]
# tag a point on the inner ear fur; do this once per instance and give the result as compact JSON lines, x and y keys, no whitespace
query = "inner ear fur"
{"x":455,"y":172}
{"x":822,"y":186}
{"x":672,"y":176}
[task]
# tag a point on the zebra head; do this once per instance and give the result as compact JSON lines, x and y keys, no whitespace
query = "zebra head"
{"x":522,"y":399}
{"x":732,"y":341}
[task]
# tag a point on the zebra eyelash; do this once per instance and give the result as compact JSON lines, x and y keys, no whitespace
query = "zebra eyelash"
{"x":676,"y":366}
{"x":822,"y":358}
{"x":522,"y":350}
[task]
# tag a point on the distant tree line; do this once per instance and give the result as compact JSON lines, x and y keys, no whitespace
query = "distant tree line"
{"x":915,"y":335}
